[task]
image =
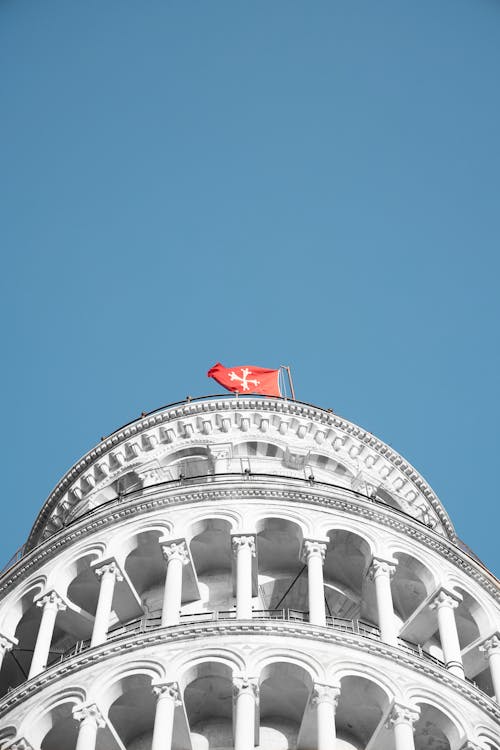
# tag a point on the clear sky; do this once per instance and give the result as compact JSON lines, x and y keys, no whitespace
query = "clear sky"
{"x":315,"y":184}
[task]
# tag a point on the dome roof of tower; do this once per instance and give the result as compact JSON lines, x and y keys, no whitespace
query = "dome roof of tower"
{"x":211,"y":436}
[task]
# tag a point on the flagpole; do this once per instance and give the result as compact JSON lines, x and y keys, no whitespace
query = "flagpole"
{"x":289,"y":373}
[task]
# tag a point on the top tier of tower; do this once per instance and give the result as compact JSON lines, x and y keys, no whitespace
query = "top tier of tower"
{"x":197,"y":440}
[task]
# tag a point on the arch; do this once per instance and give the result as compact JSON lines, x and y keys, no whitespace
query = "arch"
{"x":6,"y":735}
{"x":16,"y":604}
{"x":183,"y":668}
{"x":280,"y":568}
{"x":51,"y":725}
{"x":285,"y":689}
{"x":337,"y":670}
{"x":435,"y":712}
{"x":125,"y":540}
{"x":109,"y":689}
{"x":272,"y":655}
{"x":69,"y":566}
{"x":197,"y":523}
{"x":363,"y":701}
{"x":412,"y":583}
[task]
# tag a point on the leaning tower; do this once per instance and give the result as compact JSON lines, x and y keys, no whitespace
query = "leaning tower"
{"x":247,"y":573}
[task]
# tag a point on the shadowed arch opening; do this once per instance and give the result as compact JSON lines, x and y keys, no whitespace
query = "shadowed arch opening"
{"x":208,"y":699}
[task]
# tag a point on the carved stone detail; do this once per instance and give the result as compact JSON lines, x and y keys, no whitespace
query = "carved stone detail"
{"x":445,"y":599}
{"x":380,"y":567}
{"x":402,"y":715}
{"x":110,"y":567}
{"x":325,"y":694}
{"x":491,"y":644}
{"x":176,"y":551}
{"x":168,"y":690}
{"x":51,"y":600}
{"x":313,"y":548}
{"x":89,"y":713}
{"x":247,"y":540}
{"x":243,"y":684}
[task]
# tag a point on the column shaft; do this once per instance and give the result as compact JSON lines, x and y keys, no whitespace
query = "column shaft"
{"x":168,"y":698}
{"x":403,"y":736}
{"x":50,"y":604}
{"x":87,"y":735}
{"x":385,"y":609}
{"x":314,"y":555}
{"x":449,"y":640}
{"x":494,"y":664}
{"x":173,"y":593}
{"x":244,"y":731}
{"x":244,"y":583}
{"x":104,"y":604}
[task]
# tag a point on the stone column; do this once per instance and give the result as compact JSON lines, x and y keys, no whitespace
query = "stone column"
{"x":245,"y":692}
{"x":6,"y":644}
{"x":168,"y":697}
{"x":51,"y":604}
{"x":109,"y":573}
{"x":402,"y":719}
{"x":325,"y":698}
{"x":244,"y":550}
{"x":176,"y":554}
{"x":445,"y":603}
{"x":313,"y":554}
{"x":381,"y":571}
{"x":491,"y":648}
{"x":91,"y":720}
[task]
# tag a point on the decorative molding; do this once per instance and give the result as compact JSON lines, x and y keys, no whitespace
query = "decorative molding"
{"x":186,"y":633}
{"x":138,"y":506}
{"x":315,"y":415}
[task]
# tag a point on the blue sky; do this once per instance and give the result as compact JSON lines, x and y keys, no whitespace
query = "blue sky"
{"x":315,"y":184}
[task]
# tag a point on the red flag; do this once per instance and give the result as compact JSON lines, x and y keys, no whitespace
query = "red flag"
{"x":247,"y":379}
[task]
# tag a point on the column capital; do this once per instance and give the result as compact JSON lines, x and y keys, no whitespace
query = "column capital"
{"x":445,"y":598}
{"x":401,"y":714}
{"x":491,"y":645}
{"x":245,"y":685}
{"x":51,"y":600}
{"x":109,"y":567}
{"x":20,"y":744}
{"x":244,"y":540}
{"x":89,"y":713}
{"x":167,"y":690}
{"x":6,"y":643}
{"x":380,"y":567}
{"x":176,"y":550}
{"x":325,"y":694}
{"x":313,"y":548}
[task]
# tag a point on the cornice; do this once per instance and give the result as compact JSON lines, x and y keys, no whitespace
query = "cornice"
{"x":152,"y":499}
{"x":185,"y":633}
{"x":204,"y":407}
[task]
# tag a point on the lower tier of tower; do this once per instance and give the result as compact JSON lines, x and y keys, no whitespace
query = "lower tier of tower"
{"x":241,"y":685}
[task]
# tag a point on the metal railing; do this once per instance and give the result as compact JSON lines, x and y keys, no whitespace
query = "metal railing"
{"x":340,"y":624}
